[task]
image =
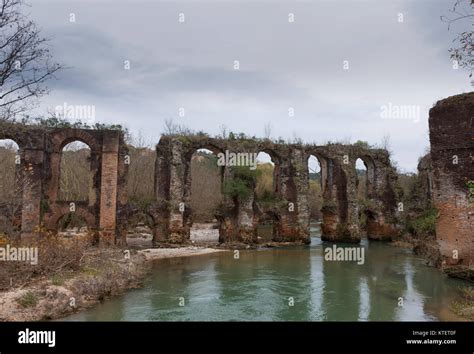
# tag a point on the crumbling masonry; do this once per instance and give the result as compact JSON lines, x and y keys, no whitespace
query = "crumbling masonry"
{"x":238,"y":218}
{"x":107,"y":211}
{"x":38,"y":174}
{"x":449,"y":179}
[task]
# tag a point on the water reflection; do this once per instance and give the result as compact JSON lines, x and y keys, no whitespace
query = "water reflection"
{"x":290,"y":284}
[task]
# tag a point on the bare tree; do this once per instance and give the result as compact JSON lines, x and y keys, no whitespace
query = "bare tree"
{"x":267,"y":130}
{"x":25,"y":60}
{"x":463,"y":13}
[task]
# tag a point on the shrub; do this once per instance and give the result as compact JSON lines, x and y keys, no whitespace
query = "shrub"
{"x":28,"y":299}
{"x":242,"y":184}
{"x":425,"y":224}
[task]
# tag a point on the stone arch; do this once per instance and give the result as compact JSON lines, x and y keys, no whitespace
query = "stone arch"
{"x":324,"y":166}
{"x":91,"y":219}
{"x":76,"y":165}
{"x":63,"y":137}
{"x":193,"y":226}
{"x":315,"y":170}
{"x":276,"y":158}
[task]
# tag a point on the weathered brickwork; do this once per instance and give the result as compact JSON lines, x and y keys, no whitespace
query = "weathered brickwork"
{"x":108,"y":212}
{"x":39,"y":177}
{"x":451,"y":124}
{"x":290,"y":213}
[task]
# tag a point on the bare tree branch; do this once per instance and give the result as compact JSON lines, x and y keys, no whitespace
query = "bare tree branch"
{"x":25,"y":61}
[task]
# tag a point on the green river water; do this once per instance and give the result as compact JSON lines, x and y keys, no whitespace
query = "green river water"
{"x":287,"y":284}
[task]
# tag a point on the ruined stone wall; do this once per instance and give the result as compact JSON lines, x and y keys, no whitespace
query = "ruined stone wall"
{"x":39,"y":177}
{"x":451,"y":124}
{"x":107,"y":210}
{"x":238,"y":219}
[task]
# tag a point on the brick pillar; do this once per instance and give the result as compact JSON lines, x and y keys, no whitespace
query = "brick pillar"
{"x":31,"y":186}
{"x":108,"y":186}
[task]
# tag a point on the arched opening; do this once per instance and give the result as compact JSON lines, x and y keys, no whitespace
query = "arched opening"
{"x":266,"y":196}
{"x":76,"y":177}
{"x":206,"y":195}
{"x":72,"y":225}
{"x":140,"y":230}
{"x":362,"y":193}
{"x":315,"y":193}
{"x":141,"y":194}
{"x":10,"y":189}
{"x":362,"y":178}
{"x":265,"y":189}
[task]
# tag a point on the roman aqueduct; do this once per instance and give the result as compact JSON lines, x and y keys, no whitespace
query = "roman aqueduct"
{"x":447,"y":174}
{"x":107,"y":211}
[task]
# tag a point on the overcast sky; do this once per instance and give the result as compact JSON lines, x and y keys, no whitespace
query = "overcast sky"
{"x":283,"y":65}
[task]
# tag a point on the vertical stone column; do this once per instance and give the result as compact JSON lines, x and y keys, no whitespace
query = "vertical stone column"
{"x":288,"y":228}
{"x":347,"y":197}
{"x":245,"y":220}
{"x":329,"y":209}
{"x":301,"y":176}
{"x":108,"y":186}
{"x":381,"y":224}
{"x":177,"y":228}
{"x":162,"y":190}
{"x":340,"y":209}
{"x":31,"y":190}
{"x":123,"y":211}
{"x":228,"y":215}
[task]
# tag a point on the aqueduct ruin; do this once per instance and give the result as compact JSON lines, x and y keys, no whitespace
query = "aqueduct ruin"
{"x":107,"y":211}
{"x":448,"y":176}
{"x":38,"y":173}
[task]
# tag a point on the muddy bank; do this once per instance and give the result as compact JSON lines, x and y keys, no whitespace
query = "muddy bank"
{"x":160,"y":253}
{"x":104,"y":273}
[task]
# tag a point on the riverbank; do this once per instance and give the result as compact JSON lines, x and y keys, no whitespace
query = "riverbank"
{"x":102,"y":274}
{"x":427,"y":249}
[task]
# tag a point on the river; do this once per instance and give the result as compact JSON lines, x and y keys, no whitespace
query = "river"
{"x":287,"y":284}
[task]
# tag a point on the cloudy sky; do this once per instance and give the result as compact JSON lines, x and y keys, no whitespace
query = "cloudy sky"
{"x":338,"y":66}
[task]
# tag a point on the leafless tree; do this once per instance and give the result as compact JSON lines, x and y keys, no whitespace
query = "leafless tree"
{"x":25,"y":60}
{"x":267,"y":130}
{"x":462,"y":13}
{"x":12,"y":180}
